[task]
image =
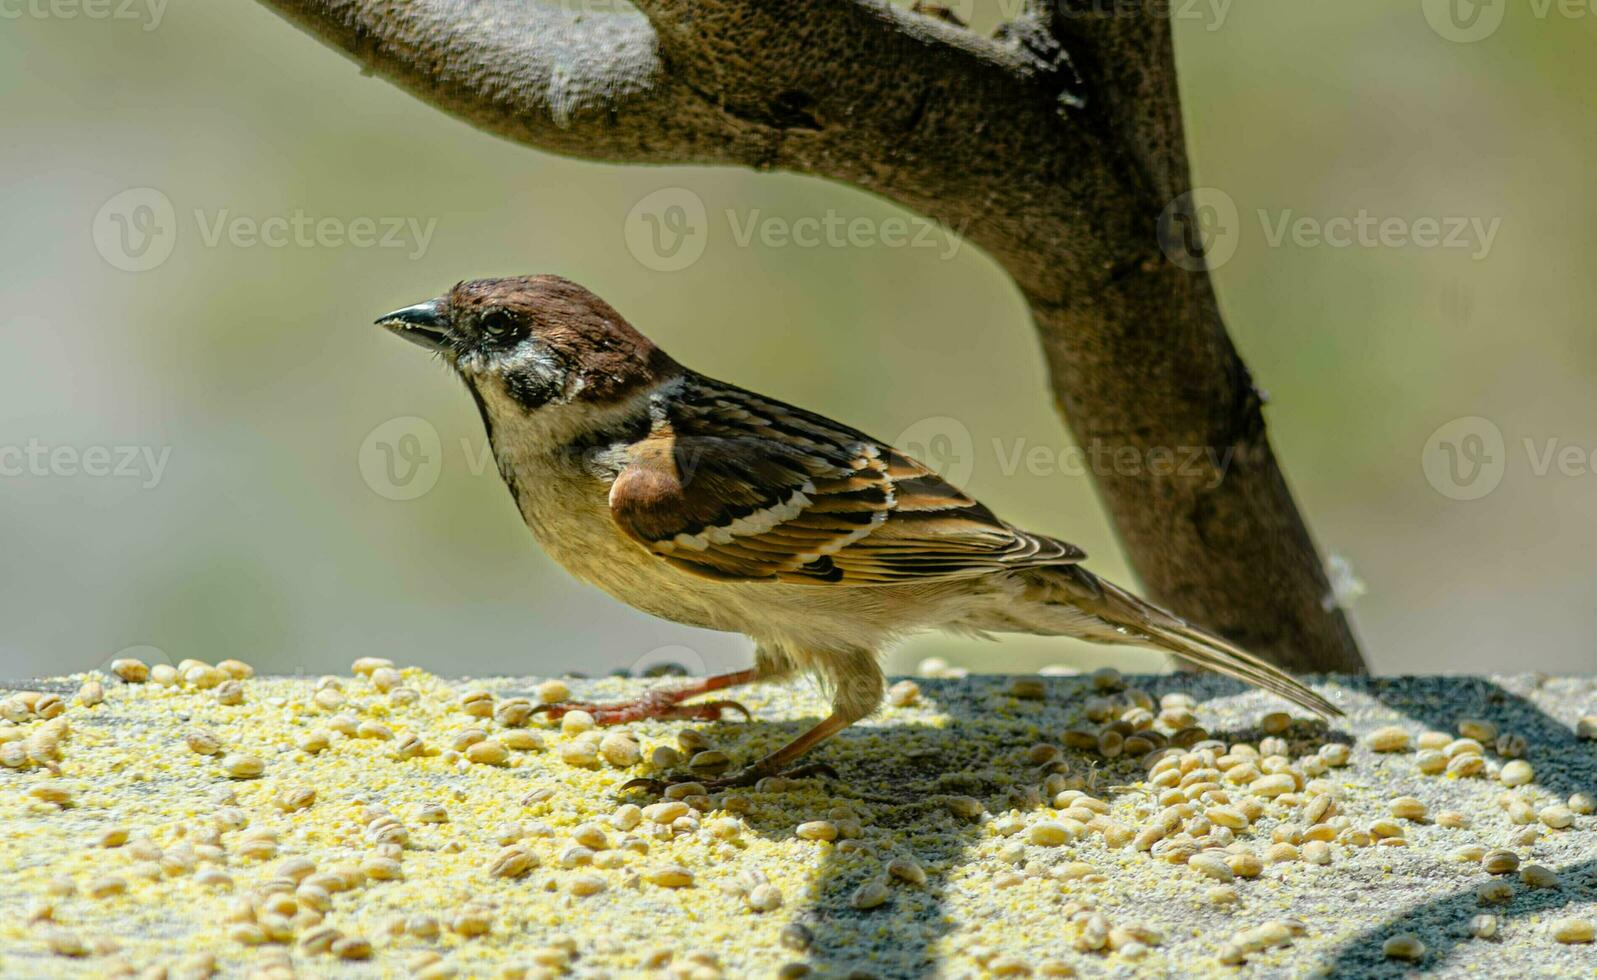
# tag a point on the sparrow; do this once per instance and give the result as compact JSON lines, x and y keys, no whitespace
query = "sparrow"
{"x":707,"y":504}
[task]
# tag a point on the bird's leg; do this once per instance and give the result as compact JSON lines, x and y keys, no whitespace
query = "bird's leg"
{"x":775,"y":764}
{"x":661,"y":703}
{"x":857,"y":686}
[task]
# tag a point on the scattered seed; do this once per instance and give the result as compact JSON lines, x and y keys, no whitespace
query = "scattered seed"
{"x":366,"y":666}
{"x":1537,"y":876}
{"x":131,"y":671}
{"x":1245,"y":864}
{"x":91,"y":693}
{"x":669,"y":876}
{"x":580,"y":752}
{"x":553,"y":691}
{"x":1388,"y":739}
{"x":1275,"y":722}
{"x":1483,"y":926}
{"x":471,"y":922}
{"x":903,"y":694}
{"x":1214,"y":866}
{"x":243,"y":766}
{"x":1511,"y":746}
{"x":1430,"y":761}
{"x":295,"y":798}
{"x":1273,"y":785}
{"x":489,"y":752}
{"x":1572,"y":930}
{"x":1479,"y":729}
{"x":764,"y":898}
{"x":817,"y":830}
{"x":1557,"y":817}
{"x":112,"y":837}
{"x":1500,"y":862}
{"x":869,"y":895}
{"x":512,"y":862}
{"x":908,"y":870}
{"x":477,"y":704}
{"x":1403,"y":946}
{"x":1516,"y":773}
{"x":711,"y":761}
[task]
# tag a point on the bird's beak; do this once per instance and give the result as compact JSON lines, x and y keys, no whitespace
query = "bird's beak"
{"x":426,"y":324}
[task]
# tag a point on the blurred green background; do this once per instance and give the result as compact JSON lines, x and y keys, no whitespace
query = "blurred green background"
{"x":254,"y":369}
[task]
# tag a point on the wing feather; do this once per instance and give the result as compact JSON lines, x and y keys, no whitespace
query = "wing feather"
{"x":730,"y":485}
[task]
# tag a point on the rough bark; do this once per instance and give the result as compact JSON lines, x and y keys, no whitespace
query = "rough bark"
{"x":1055,"y":145}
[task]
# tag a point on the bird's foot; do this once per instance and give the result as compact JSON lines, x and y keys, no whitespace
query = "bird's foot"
{"x":747,"y":776}
{"x":653,"y":704}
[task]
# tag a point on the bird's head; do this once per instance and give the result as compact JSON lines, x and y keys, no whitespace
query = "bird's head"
{"x":535,"y":345}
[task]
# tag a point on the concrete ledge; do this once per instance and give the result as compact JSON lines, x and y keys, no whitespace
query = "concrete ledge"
{"x":950,"y":781}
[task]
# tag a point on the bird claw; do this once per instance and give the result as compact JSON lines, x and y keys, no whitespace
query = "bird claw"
{"x":655,"y":704}
{"x":744,"y":777}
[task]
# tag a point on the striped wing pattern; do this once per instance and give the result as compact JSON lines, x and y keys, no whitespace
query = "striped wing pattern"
{"x":732,"y":485}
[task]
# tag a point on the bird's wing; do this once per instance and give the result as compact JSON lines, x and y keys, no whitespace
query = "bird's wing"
{"x":732,"y":485}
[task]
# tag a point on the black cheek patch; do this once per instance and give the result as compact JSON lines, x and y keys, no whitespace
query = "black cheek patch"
{"x":531,"y":388}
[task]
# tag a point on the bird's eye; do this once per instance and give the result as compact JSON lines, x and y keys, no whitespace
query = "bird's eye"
{"x":498,"y":323}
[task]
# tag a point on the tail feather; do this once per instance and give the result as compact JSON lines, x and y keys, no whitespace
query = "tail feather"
{"x":1169,"y":632}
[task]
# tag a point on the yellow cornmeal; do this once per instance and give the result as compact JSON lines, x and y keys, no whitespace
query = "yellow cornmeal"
{"x":368,"y":844}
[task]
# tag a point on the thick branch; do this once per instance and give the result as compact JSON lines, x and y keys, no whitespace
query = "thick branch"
{"x":1055,"y":148}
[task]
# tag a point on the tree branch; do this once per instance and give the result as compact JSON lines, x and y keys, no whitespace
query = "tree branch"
{"x":1055,"y":146}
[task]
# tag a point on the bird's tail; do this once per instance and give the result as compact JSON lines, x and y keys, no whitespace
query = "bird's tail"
{"x":1150,"y":625}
